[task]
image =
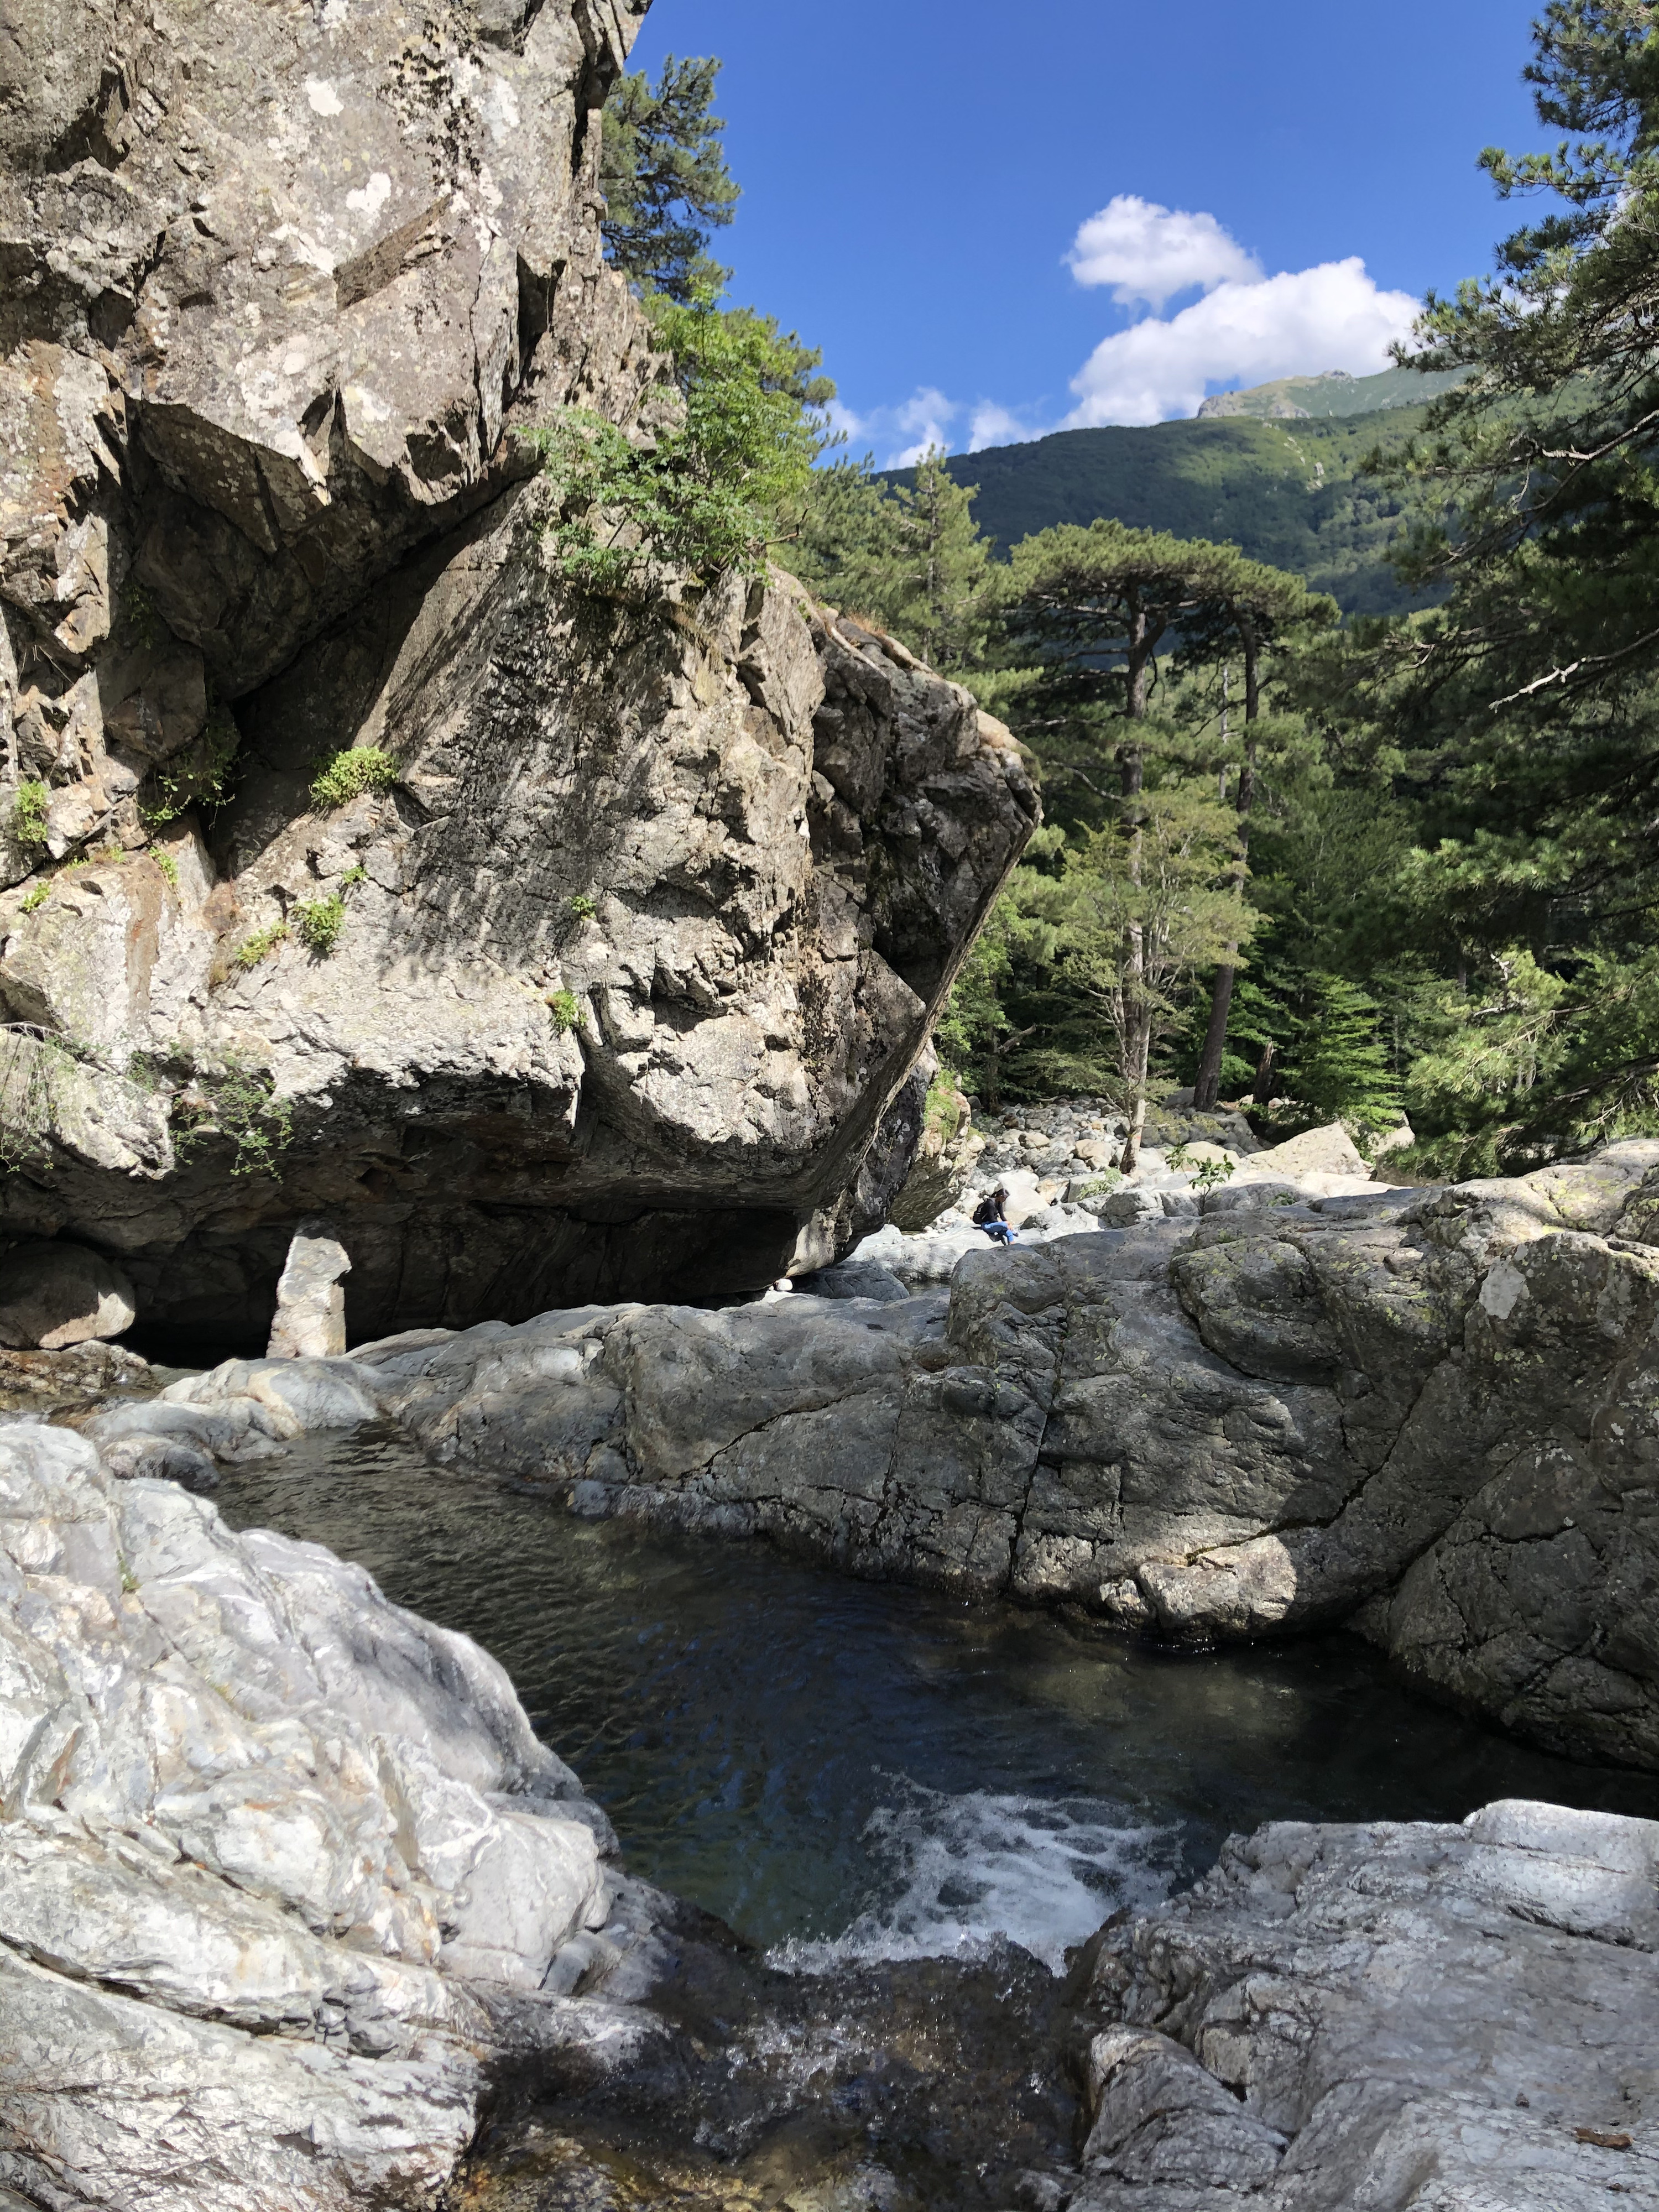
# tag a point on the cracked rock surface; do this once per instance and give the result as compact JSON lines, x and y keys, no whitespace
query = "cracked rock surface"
{"x":283,"y":1868}
{"x":1429,"y":1415}
{"x":1393,"y":2018}
{"x":612,"y":978}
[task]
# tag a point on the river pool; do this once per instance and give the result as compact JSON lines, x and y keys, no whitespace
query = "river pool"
{"x":840,"y":1768}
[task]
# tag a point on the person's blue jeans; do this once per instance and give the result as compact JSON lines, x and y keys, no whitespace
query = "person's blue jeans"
{"x":998,"y":1232}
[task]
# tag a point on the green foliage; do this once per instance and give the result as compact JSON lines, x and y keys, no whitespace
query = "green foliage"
{"x":1293,"y":496}
{"x":978,"y":1029}
{"x":703,"y":494}
{"x":1339,"y":1069}
{"x":318,"y":922}
{"x":941,"y":1110}
{"x":908,"y":557}
{"x":28,"y":812}
{"x":253,"y":949}
{"x":582,"y":908}
{"x":144,"y":626}
{"x":233,"y":1098}
{"x":1531,"y":1064}
{"x":1101,"y":1186}
{"x":350,"y":773}
{"x":663,"y":175}
{"x":169,"y":867}
{"x":199,"y":776}
{"x":34,"y":898}
{"x":566,"y":1009}
{"x":351,"y":876}
{"x":1522,"y":715}
{"x":1209,"y":1173}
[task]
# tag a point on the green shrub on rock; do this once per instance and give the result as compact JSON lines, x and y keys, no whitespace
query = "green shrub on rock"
{"x":28,"y":812}
{"x":318,"y":922}
{"x":351,"y":773}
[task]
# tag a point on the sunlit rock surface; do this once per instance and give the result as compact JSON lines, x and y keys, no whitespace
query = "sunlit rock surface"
{"x":277,"y":1861}
{"x":616,"y":987}
{"x":1428,"y":1415}
{"x":1431,"y":2019}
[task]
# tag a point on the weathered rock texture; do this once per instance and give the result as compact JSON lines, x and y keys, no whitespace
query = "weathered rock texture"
{"x":1395,"y":2018}
{"x":279,"y":1863}
{"x":310,"y":1320}
{"x":55,"y":1294}
{"x":1430,"y":1415}
{"x":633,"y":957}
{"x":944,"y":1163}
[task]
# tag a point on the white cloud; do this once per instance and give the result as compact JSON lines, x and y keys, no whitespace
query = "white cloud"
{"x":927,"y":416}
{"x":1298,"y":324}
{"x":900,"y":436}
{"x":995,"y":426}
{"x":843,"y":419}
{"x":1150,"y":253}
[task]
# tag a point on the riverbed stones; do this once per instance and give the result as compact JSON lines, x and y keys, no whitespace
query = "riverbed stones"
{"x":55,"y":1294}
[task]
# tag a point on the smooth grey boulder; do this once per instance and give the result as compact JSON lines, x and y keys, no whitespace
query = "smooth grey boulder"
{"x":281,"y":1864}
{"x":1424,"y":1414}
{"x":1425,"y":2018}
{"x":54,"y":1294}
{"x":855,"y":1279}
{"x":310,"y":1319}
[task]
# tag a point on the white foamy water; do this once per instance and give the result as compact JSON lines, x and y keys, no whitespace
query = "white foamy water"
{"x":964,"y":1872}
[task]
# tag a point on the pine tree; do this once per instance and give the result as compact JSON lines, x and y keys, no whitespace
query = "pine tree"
{"x":910,"y":559}
{"x":1098,"y":617}
{"x":1527,"y":708}
{"x":665,"y":180}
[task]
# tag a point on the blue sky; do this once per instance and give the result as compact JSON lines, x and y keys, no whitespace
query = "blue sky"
{"x":916,"y":172}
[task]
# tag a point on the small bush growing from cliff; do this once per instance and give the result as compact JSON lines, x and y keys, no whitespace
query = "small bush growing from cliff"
{"x":318,"y":922}
{"x":702,"y":495}
{"x":582,"y":908}
{"x":199,"y":776}
{"x":942,"y":1109}
{"x":169,"y":867}
{"x":28,"y":812}
{"x":253,"y":949}
{"x":34,"y":898}
{"x":235,"y":1099}
{"x":566,"y":1011}
{"x":350,"y":774}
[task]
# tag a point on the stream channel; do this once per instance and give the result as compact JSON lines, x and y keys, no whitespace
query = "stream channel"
{"x":841,"y":1769}
{"x":907,"y":1808}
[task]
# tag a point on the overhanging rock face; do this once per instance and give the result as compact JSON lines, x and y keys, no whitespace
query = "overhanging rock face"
{"x":616,"y":986}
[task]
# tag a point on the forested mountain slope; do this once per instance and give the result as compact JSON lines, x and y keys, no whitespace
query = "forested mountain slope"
{"x":1286,"y":492}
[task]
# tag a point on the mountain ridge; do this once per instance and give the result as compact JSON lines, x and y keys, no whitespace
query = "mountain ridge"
{"x":1288,"y":491}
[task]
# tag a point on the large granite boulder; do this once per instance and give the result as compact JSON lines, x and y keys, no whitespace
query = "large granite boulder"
{"x":280,"y":1864}
{"x":1429,"y":2019}
{"x":598,"y":960}
{"x":1424,"y":1414}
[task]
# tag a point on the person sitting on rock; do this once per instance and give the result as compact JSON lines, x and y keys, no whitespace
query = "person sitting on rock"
{"x":990,"y":1216}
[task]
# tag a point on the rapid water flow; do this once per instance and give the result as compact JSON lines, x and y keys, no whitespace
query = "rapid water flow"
{"x":844,"y":1770}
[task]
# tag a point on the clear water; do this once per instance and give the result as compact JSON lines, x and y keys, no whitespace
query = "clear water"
{"x":843,"y":1769}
